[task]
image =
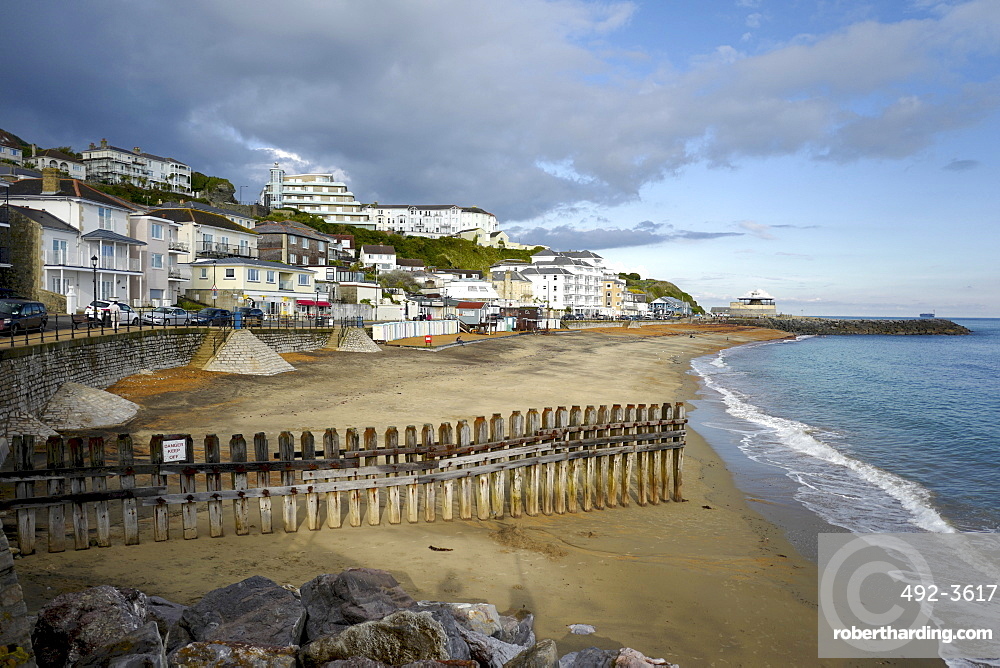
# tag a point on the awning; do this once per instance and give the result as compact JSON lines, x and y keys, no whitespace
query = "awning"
{"x":310,"y":302}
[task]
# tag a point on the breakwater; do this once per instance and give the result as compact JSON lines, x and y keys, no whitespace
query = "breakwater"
{"x":826,"y":326}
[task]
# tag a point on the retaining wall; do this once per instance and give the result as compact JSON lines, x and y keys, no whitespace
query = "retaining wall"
{"x":293,"y":341}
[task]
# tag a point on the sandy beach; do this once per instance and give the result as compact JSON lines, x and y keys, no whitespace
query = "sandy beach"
{"x":702,"y":582}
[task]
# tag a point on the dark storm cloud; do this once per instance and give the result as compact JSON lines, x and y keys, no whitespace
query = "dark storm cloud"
{"x":498,"y":105}
{"x":566,"y":237}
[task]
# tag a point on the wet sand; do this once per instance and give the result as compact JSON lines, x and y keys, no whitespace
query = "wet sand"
{"x":702,"y":582}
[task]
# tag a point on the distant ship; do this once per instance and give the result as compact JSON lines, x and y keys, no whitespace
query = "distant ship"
{"x":926,"y":315}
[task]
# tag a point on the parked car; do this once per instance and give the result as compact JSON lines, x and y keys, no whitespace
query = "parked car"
{"x":98,"y":310}
{"x":166,"y":315}
{"x":212,"y":316}
{"x":18,"y":315}
{"x":250,"y":316}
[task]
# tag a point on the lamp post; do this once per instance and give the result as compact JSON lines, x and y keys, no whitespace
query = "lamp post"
{"x":93,"y":263}
{"x":316,"y":303}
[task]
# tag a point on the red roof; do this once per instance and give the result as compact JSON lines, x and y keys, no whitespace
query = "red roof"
{"x":471,"y":305}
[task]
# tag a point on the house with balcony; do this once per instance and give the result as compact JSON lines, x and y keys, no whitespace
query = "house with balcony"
{"x":56,"y":159}
{"x":10,"y":148}
{"x":382,"y":258}
{"x":110,"y":164}
{"x":101,"y":259}
{"x":665,"y":307}
{"x":164,"y":277}
{"x":206,"y":235}
{"x":431,"y":220}
{"x":319,"y":194}
{"x":235,"y":216}
{"x":229,"y":282}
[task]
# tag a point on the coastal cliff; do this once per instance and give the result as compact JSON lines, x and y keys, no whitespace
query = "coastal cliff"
{"x":824,"y":326}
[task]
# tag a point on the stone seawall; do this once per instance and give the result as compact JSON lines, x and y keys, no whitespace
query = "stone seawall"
{"x":824,"y":326}
{"x":293,"y":341}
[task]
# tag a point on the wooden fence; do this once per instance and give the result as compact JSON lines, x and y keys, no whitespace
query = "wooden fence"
{"x":554,"y":461}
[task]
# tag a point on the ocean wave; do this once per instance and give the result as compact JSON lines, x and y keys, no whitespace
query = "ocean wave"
{"x":842,"y":490}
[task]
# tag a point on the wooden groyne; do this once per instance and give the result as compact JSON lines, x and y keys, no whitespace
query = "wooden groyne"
{"x":553,"y":461}
{"x":826,"y":326}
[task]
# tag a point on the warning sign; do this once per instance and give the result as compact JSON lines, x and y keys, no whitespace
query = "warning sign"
{"x":175,"y":450}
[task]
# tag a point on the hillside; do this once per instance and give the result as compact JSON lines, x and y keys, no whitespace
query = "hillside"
{"x":658,"y":288}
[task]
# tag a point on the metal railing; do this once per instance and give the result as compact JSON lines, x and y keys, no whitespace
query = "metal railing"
{"x":73,"y":326}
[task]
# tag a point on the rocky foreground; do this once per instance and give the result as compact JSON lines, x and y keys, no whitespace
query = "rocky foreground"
{"x":359,"y":618}
{"x":826,"y":326}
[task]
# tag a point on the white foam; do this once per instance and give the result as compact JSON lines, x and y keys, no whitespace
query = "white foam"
{"x":844,"y":491}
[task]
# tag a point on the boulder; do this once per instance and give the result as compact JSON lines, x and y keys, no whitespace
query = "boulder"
{"x":400,"y":638}
{"x":591,"y":657}
{"x":142,"y":648}
{"x":76,"y":624}
{"x":355,"y":662}
{"x":479,"y":617}
{"x":489,"y":651}
{"x":334,"y":602}
{"x":166,"y":614}
{"x":256,"y":611}
{"x":542,"y":655}
{"x":631,"y":658}
{"x":458,"y":649}
{"x":223,"y":653}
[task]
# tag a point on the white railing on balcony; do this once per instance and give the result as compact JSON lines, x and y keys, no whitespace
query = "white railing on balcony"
{"x":175,"y":245}
{"x":75,"y":259}
{"x":286,"y":285}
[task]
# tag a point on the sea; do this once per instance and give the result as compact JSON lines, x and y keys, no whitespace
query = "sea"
{"x":865,"y":433}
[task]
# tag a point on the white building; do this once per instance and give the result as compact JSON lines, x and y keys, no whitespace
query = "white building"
{"x":469,"y":289}
{"x":10,"y":149}
{"x":383,"y":258}
{"x":110,"y":164}
{"x":319,"y":194}
{"x":203,"y":234}
{"x":565,"y":280}
{"x":431,"y":220}
{"x":56,"y":159}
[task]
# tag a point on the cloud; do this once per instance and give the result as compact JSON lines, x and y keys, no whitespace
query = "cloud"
{"x":758,"y":230}
{"x":645,"y":233}
{"x":519,"y":107}
{"x":961,"y":165}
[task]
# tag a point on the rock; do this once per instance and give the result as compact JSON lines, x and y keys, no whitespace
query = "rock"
{"x":402,"y":637}
{"x":487,"y":650}
{"x":222,"y":653}
{"x":522,"y":633}
{"x":334,"y":602}
{"x":591,"y":657}
{"x":165,"y":613}
{"x":76,"y":624}
{"x":630,"y":658}
{"x":357,"y":662}
{"x":542,"y":655}
{"x":450,"y":663}
{"x":479,"y":617}
{"x":582,"y":629}
{"x":256,"y":611}
{"x":458,"y":649}
{"x":142,"y":648}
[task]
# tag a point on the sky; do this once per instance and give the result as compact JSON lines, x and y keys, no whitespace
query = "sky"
{"x":840,"y":154}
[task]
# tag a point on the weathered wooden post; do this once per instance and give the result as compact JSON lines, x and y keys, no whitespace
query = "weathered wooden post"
{"x":446,"y":438}
{"x":100,"y":484}
{"x":213,"y":483}
{"x":678,"y":456}
{"x":643,"y":461}
{"x":516,"y":474}
{"x":535,"y":469}
{"x":262,"y":454}
{"x":590,"y":464}
{"x":600,"y":493}
{"x":331,"y":451}
{"x":307,"y":446}
{"x":664,"y":490}
{"x":55,"y":458}
{"x":562,"y":466}
{"x":573,"y":482}
{"x":24,"y":460}
{"x":464,"y":433}
{"x":161,"y":511}
{"x":614,"y":479}
{"x":626,"y":497}
{"x":481,"y":435}
{"x":392,"y":444}
{"x":290,"y":506}
{"x":353,"y":444}
{"x":241,"y":505}
{"x":430,"y":490}
{"x":412,"y":497}
{"x":374,"y":507}
{"x":130,"y":518}
{"x":189,"y":510}
{"x":500,"y":476}
{"x":78,"y":485}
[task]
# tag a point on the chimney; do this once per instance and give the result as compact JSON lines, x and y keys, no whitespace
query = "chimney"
{"x":92,"y":146}
{"x":104,"y":143}
{"x":50,"y":181}
{"x":136,"y":149}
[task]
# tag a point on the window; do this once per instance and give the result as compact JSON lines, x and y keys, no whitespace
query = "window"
{"x":322,"y":246}
{"x":305,"y":244}
{"x":253,"y":275}
{"x":204,"y":272}
{"x":303,"y":279}
{"x":105,"y":221}
{"x":156,"y":260}
{"x":291,"y":258}
{"x":156,"y":231}
{"x":230,"y":272}
{"x":270,"y":277}
{"x":155,"y":294}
